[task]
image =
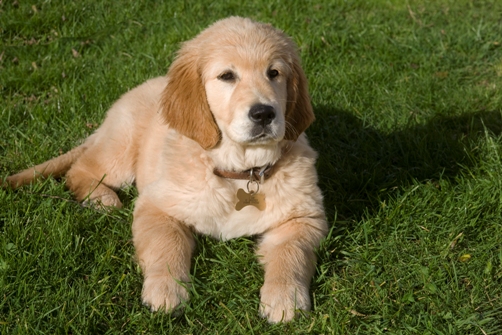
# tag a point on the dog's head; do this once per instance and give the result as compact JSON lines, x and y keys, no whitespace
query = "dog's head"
{"x":241,"y":80}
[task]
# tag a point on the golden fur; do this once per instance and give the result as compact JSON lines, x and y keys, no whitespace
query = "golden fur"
{"x":169,"y":134}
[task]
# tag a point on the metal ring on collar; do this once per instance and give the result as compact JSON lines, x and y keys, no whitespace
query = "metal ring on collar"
{"x":257,"y":186}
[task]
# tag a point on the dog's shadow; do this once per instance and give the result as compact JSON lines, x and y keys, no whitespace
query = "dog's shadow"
{"x":359,"y":166}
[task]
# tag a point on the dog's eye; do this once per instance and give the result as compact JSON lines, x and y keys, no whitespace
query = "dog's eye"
{"x":227,"y":76}
{"x":271,"y":73}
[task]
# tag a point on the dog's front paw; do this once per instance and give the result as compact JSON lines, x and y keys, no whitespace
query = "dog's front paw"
{"x":164,"y":293}
{"x":279,"y":302}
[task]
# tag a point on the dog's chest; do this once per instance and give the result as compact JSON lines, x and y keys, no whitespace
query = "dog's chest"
{"x":231,"y":211}
{"x":221,"y":207}
{"x":210,"y":207}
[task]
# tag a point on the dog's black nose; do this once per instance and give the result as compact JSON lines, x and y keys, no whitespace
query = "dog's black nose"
{"x":262,"y":114}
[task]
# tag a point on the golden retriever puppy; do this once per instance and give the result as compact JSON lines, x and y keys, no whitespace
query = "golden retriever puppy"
{"x":216,"y":147}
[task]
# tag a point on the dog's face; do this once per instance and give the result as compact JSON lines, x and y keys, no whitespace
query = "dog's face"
{"x":238,"y":80}
{"x":247,"y":96}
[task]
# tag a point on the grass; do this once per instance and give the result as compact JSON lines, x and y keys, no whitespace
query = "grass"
{"x":409,"y":130}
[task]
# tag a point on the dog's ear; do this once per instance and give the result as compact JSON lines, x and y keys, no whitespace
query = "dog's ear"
{"x":299,"y":112}
{"x":184,"y":102}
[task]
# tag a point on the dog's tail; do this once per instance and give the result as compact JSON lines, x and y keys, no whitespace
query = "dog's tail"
{"x":55,"y":167}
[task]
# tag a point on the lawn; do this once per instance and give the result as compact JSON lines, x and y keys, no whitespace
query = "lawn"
{"x":408,"y":100}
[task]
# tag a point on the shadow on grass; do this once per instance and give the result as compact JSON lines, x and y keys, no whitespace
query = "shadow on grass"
{"x":359,"y":165}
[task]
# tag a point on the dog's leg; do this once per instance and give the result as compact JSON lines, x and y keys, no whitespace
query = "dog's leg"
{"x":103,"y":167}
{"x":87,"y":186}
{"x":164,"y":249}
{"x":287,"y":254}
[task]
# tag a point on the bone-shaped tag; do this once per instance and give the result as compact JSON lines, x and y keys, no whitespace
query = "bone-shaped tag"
{"x":250,"y":199}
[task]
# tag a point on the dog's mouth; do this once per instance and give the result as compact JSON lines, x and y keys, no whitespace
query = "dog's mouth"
{"x":260,"y":135}
{"x":261,"y":139}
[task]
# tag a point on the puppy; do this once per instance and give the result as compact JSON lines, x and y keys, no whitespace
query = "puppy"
{"x":216,"y":147}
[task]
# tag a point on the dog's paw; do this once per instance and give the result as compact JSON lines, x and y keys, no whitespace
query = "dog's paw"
{"x":165,"y":294}
{"x":105,"y":201}
{"x":109,"y":200}
{"x":280,"y":302}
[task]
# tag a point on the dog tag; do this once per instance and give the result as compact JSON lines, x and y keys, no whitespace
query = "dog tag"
{"x":250,"y":199}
